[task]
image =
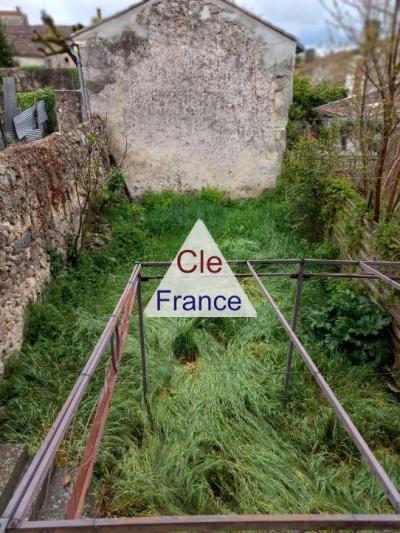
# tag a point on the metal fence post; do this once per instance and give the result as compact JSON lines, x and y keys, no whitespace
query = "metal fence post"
{"x":86,"y":115}
{"x":295,"y":319}
{"x":10,"y":107}
{"x":142,"y":339}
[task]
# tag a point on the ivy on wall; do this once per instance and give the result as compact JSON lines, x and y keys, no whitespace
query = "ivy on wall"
{"x":25,"y":100}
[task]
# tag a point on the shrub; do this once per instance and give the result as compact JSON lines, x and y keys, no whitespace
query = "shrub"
{"x":116,"y":180}
{"x":338,"y":192}
{"x":7,"y":48}
{"x":307,"y":96}
{"x":388,"y":240}
{"x":352,"y":324}
{"x":305,"y":177}
{"x":25,"y":100}
{"x":43,"y":320}
{"x":315,"y":193}
{"x":57,"y":260}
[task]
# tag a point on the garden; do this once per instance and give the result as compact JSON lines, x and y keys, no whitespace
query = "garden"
{"x":219,"y":439}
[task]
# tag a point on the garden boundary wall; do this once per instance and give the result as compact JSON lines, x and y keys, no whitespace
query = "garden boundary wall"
{"x":41,"y":196}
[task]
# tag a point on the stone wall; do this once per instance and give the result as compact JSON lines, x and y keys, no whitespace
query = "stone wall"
{"x":36,"y":78}
{"x":196,"y":94}
{"x":68,"y":108}
{"x":40,"y":194}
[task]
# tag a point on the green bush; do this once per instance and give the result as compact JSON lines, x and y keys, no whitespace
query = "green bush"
{"x":7,"y":48}
{"x":387,"y":240}
{"x":338,"y":192}
{"x":352,"y":324}
{"x":43,"y":320}
{"x":25,"y":100}
{"x":57,"y":260}
{"x":307,"y":96}
{"x":116,"y":180}
{"x":306,"y":176}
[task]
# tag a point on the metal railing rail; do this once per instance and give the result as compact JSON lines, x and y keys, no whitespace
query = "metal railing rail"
{"x":341,"y":413}
{"x":114,"y":334}
{"x":30,"y":484}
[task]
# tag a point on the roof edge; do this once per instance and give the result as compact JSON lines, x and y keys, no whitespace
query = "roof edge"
{"x":261,"y":20}
{"x":228,"y":2}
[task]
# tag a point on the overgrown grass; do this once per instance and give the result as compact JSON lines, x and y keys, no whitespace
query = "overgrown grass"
{"x":221,"y":441}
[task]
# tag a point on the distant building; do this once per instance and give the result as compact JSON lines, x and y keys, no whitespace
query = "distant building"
{"x":339,"y":68}
{"x":19,"y":32}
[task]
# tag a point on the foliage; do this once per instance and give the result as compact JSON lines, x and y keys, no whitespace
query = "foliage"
{"x":307,"y":96}
{"x":351,"y":324}
{"x":73,"y":72}
{"x":116,"y":181}
{"x":25,"y":100}
{"x":7,"y":49}
{"x":87,"y":177}
{"x":220,"y":442}
{"x":339,"y":195}
{"x":53,"y":42}
{"x":312,"y":191}
{"x":57,"y":261}
{"x":387,"y":240}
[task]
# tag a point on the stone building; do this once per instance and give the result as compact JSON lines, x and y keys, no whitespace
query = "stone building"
{"x":28,"y":53}
{"x":195,"y":93}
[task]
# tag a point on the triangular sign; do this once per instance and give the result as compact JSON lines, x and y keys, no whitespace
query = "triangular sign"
{"x":199,"y":283}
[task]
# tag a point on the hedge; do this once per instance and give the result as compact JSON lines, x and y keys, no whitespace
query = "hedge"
{"x":25,"y":100}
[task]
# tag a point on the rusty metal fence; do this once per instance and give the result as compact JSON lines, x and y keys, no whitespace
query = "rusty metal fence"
{"x":16,"y":517}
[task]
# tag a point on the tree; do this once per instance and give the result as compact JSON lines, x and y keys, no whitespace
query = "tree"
{"x":307,"y":96}
{"x":373,"y":27}
{"x":7,"y":50}
{"x":54,"y":42}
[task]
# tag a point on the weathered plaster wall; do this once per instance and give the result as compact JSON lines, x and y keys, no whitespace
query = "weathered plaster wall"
{"x":197,"y":91}
{"x":68,"y":108}
{"x":39,"y":206}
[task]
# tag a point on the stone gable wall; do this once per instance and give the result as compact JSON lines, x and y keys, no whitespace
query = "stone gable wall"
{"x":197,"y":92}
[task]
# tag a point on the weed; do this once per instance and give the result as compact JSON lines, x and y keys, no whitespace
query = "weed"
{"x":57,"y":261}
{"x":221,"y":441}
{"x":352,"y":324}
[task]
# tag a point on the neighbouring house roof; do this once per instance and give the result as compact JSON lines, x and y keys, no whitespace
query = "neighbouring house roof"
{"x":19,"y":32}
{"x":339,"y":109}
{"x":345,"y":107}
{"x":230,"y":3}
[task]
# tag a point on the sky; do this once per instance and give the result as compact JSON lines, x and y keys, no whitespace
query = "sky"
{"x":306,"y":19}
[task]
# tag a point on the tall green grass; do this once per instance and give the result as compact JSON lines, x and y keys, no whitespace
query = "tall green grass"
{"x":221,"y":440}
